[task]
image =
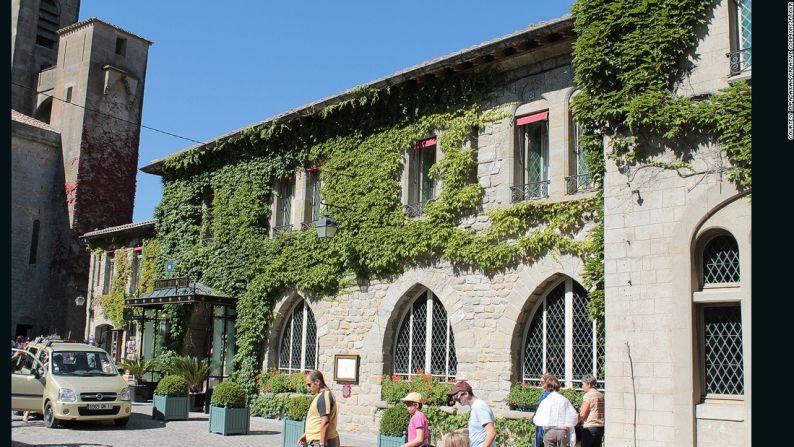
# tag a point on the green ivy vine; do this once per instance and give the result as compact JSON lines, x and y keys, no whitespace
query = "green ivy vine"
{"x":113,"y":303}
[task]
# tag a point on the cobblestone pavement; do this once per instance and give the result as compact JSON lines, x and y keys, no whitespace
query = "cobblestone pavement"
{"x":143,"y":431}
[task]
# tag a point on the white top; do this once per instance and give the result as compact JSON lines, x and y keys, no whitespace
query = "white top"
{"x":555,"y":411}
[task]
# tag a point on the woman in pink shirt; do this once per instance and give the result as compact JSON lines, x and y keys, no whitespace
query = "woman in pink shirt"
{"x":418,"y":431}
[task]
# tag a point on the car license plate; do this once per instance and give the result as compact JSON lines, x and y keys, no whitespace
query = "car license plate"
{"x":100,"y":406}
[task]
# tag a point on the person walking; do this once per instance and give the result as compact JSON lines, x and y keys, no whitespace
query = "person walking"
{"x":481,"y":431}
{"x":418,"y":430}
{"x":539,"y":430}
{"x":556,"y":415}
{"x":321,"y":418}
{"x":592,"y":413}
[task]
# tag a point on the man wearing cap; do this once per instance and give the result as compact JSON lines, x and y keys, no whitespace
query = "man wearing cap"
{"x":482,"y":432}
{"x":418,"y":431}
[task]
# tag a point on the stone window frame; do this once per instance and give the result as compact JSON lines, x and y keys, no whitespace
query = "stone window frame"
{"x":301,"y":305}
{"x":540,"y":306}
{"x":429,"y":296}
{"x":728,"y":294}
{"x":517,"y":174}
{"x":283,"y":217}
{"x":109,"y":271}
{"x":313,"y":199}
{"x":413,"y":178}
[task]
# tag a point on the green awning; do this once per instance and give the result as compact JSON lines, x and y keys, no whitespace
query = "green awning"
{"x":185,"y":293}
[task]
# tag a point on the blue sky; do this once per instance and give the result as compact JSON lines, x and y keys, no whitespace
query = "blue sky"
{"x":219,"y":66}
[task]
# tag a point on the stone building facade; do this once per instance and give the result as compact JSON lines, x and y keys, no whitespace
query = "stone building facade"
{"x":663,"y":319}
{"x":82,"y":84}
{"x":661,"y":312}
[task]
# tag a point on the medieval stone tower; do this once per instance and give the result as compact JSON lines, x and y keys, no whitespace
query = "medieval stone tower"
{"x":80,"y":84}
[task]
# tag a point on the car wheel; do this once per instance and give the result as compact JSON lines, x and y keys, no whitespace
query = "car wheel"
{"x":121,"y":422}
{"x":50,"y":421}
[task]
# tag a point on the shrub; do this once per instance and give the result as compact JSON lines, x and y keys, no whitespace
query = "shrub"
{"x":298,"y":406}
{"x":277,"y":382}
{"x":270,"y":405}
{"x":191,"y":368}
{"x":432,"y":390}
{"x":230,"y":395}
{"x":172,"y":386}
{"x":395,"y":421}
{"x":138,"y":367}
{"x":522,"y":397}
{"x":441,"y":422}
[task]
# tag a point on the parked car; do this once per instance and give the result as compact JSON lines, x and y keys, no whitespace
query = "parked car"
{"x":68,"y":381}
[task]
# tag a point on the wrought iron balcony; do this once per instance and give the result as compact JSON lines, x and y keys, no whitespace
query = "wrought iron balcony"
{"x":282,"y":229}
{"x":578,"y":183}
{"x":529,"y":191}
{"x":740,"y":60}
{"x":416,"y":209}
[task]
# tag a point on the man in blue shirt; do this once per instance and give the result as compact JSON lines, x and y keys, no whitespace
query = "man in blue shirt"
{"x":482,"y":432}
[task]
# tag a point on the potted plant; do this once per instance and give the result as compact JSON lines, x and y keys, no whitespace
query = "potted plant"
{"x":295,"y":422}
{"x":393,"y":427}
{"x":229,"y":413}
{"x":141,"y":391}
{"x":195,"y":371}
{"x":170,"y":399}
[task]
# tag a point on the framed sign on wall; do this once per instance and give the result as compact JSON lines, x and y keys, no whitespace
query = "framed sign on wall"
{"x":346,"y":368}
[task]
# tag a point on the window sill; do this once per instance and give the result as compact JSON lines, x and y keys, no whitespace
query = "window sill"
{"x":721,"y":295}
{"x":744,"y":76}
{"x":722,"y":409}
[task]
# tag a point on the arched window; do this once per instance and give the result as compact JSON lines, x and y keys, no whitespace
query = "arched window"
{"x":298,"y":351}
{"x":562,"y":339}
{"x":720,"y":334}
{"x":721,"y":261}
{"x":47,"y":31}
{"x":425,"y":340}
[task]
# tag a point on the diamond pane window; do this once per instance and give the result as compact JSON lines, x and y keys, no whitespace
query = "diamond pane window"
{"x":425,"y":340}
{"x":298,"y":350}
{"x":721,"y":261}
{"x":724,"y":358}
{"x":561,"y":339}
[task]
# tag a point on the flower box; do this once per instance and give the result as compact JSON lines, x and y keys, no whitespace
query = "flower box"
{"x":391,"y":441}
{"x":170,"y":408}
{"x":229,"y":421}
{"x":292,"y":432}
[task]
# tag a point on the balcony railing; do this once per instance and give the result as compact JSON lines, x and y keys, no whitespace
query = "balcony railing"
{"x":578,"y":183}
{"x":740,"y":60}
{"x":281,"y":229}
{"x":529,"y":191}
{"x":416,"y":209}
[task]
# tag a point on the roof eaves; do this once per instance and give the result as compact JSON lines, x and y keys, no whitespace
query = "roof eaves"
{"x":461,"y":56}
{"x":78,"y":25}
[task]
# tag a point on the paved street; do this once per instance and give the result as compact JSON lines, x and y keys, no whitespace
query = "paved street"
{"x":143,"y":431}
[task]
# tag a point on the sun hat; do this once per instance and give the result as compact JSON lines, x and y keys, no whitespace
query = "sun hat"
{"x":460,"y":386}
{"x":412,"y":397}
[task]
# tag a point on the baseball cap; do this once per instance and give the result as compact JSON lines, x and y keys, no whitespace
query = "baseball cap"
{"x":460,"y":386}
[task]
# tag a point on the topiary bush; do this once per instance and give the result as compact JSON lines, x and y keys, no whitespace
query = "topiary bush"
{"x":268,"y":405}
{"x":230,"y":395}
{"x":298,"y":406}
{"x":395,"y":421}
{"x":172,"y":386}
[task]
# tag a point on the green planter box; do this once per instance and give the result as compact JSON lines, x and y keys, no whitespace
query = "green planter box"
{"x":292,"y":432}
{"x":170,"y":408}
{"x":391,"y":441}
{"x":229,"y":421}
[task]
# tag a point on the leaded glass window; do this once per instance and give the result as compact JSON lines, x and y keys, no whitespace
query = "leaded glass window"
{"x":562,"y":339}
{"x":721,"y":261}
{"x":723,"y":350}
{"x":533,"y":152}
{"x":425,"y":340}
{"x":298,"y":350}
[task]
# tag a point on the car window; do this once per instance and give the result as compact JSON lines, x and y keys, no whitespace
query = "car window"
{"x":82,"y":363}
{"x":22,"y":363}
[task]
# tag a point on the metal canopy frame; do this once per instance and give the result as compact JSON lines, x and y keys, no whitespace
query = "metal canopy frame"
{"x":180,"y":291}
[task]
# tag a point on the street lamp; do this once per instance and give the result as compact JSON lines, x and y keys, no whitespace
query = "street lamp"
{"x":79,"y":301}
{"x":326,"y":228}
